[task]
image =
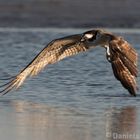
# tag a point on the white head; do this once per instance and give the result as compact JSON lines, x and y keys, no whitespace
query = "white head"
{"x":89,"y":35}
{"x":96,"y":37}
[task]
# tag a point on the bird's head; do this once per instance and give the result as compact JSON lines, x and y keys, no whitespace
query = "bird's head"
{"x":89,"y":36}
{"x":96,"y":37}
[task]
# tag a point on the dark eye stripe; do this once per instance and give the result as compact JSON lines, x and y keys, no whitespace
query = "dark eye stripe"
{"x":93,"y":37}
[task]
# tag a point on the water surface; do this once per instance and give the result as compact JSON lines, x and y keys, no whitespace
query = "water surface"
{"x":77,"y":98}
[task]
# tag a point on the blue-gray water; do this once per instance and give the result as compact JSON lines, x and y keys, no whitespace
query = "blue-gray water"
{"x":75,"y":99}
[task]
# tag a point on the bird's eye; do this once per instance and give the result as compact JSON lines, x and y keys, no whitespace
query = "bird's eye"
{"x":95,"y":35}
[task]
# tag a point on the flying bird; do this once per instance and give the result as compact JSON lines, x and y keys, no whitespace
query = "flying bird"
{"x":122,"y":56}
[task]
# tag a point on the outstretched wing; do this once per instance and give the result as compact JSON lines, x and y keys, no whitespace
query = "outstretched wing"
{"x":124,"y":64}
{"x":52,"y":53}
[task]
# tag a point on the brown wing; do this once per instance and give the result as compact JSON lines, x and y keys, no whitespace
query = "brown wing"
{"x":52,"y":53}
{"x":124,"y":64}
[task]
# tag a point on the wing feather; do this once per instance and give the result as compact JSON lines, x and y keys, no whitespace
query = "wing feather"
{"x":124,"y":76}
{"x":132,"y":68}
{"x":55,"y":51}
{"x":124,"y":64}
{"x":125,"y":49}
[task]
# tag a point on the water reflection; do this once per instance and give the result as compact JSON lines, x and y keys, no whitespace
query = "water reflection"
{"x":27,"y":120}
{"x":122,"y":124}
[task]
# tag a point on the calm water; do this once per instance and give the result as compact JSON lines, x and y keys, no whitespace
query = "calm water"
{"x":75,"y":99}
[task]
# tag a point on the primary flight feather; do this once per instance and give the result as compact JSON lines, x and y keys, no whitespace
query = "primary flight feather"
{"x":119,"y":53}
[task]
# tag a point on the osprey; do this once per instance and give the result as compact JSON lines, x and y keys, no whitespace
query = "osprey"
{"x":119,"y":53}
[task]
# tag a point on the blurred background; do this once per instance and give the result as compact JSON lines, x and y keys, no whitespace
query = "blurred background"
{"x":67,"y":13}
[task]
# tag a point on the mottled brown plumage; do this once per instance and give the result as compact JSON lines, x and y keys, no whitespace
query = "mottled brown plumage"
{"x":120,"y":54}
{"x":55,"y":51}
{"x":124,"y":64}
